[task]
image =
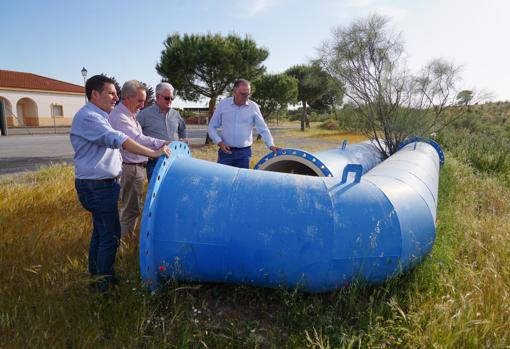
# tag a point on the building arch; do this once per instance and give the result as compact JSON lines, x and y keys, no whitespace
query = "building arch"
{"x":9,"y":113}
{"x":27,"y":111}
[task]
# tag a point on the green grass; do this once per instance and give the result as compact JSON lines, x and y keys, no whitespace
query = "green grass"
{"x":458,"y":298}
{"x":486,"y":148}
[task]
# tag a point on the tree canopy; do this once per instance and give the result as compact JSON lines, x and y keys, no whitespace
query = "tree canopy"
{"x":312,"y":84}
{"x":274,"y":91}
{"x":206,"y":65}
{"x":464,"y":97}
{"x":367,"y":58}
{"x":331,"y":99}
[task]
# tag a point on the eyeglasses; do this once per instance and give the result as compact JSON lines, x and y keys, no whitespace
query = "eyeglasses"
{"x":245,"y":94}
{"x":168,"y":99}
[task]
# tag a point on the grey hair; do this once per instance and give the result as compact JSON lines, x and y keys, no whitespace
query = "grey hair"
{"x":163,"y":86}
{"x":240,"y":82}
{"x":131,"y":87}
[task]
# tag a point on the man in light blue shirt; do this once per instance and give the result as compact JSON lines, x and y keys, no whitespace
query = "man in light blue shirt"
{"x":237,"y":115}
{"x":98,"y":165}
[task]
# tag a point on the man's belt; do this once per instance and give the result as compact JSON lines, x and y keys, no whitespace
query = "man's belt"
{"x":142,"y":164}
{"x":115,"y":179}
{"x":235,"y":148}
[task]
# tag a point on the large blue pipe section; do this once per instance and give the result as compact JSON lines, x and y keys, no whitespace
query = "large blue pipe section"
{"x":327,"y":163}
{"x":207,"y":222}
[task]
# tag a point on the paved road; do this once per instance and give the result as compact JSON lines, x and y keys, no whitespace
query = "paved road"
{"x":28,"y":153}
{"x":21,"y":153}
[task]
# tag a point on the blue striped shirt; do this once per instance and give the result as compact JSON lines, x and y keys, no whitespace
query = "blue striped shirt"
{"x":96,"y":144}
{"x":237,"y":122}
{"x":169,"y":126}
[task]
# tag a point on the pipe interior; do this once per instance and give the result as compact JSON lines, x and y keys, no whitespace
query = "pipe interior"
{"x":291,"y":166}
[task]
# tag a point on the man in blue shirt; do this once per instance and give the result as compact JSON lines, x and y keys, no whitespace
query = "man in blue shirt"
{"x":237,"y":116}
{"x":98,"y":165}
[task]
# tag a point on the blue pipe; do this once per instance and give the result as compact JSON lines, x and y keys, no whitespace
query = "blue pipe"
{"x":207,"y":222}
{"x":328,"y":163}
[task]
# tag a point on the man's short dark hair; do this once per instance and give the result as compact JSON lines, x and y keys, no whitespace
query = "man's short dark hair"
{"x":240,"y":82}
{"x":97,"y":83}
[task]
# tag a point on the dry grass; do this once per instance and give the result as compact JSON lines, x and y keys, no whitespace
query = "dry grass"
{"x":324,"y":135}
{"x":475,"y":241}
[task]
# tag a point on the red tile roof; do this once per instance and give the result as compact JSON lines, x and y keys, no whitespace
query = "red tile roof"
{"x":28,"y":81}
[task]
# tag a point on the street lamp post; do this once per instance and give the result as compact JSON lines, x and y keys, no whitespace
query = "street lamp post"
{"x":84,"y":73}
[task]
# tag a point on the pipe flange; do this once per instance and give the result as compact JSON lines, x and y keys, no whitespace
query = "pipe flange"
{"x":147,"y":269}
{"x":433,"y":143}
{"x":297,"y":155}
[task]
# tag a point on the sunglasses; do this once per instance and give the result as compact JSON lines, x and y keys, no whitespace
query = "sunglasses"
{"x":168,"y":99}
{"x":245,"y":94}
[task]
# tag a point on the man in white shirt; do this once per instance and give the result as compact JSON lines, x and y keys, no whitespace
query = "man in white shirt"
{"x":237,"y":115}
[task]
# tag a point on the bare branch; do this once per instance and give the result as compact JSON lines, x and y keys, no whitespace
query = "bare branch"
{"x":367,"y":58}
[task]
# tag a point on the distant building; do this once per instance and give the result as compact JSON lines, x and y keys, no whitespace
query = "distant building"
{"x":196,"y":115}
{"x":33,"y":100}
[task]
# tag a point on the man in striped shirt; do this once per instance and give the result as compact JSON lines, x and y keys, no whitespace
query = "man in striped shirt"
{"x":161,"y":121}
{"x":123,"y":118}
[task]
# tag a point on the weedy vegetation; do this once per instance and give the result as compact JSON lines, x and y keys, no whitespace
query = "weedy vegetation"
{"x":458,"y":298}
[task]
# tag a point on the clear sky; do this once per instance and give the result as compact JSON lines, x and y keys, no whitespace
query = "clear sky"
{"x":124,"y":39}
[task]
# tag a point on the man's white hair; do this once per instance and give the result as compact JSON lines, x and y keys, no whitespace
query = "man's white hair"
{"x":130,"y":88}
{"x":163,"y":86}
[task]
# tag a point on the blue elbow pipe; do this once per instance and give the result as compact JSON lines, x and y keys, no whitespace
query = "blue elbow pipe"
{"x":208,"y":222}
{"x":328,"y":163}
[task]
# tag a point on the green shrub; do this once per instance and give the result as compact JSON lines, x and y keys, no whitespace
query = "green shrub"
{"x":488,"y":153}
{"x":293,"y":117}
{"x":329,"y":124}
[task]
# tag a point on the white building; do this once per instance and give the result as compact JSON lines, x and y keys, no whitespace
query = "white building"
{"x":33,"y":100}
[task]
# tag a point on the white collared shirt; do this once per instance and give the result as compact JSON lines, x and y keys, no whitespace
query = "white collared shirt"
{"x":237,"y":122}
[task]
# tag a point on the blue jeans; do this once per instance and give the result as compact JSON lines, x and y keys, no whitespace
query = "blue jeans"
{"x":151,"y":163}
{"x":101,"y":199}
{"x":240,"y":157}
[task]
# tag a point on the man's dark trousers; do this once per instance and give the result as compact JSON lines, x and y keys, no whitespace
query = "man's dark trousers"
{"x":151,"y":164}
{"x":100,"y":197}
{"x":240,"y":157}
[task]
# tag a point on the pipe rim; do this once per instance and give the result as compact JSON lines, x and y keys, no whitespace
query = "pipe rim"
{"x":147,"y":269}
{"x":296,"y":155}
{"x":433,"y":143}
